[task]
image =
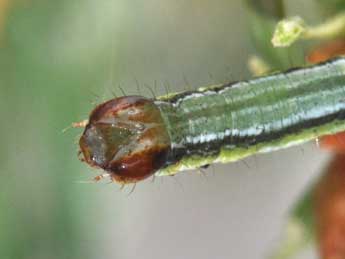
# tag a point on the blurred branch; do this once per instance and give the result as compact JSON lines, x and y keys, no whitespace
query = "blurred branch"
{"x":292,"y":29}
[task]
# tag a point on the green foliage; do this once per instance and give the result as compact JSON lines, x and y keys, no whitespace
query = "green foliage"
{"x":299,"y":232}
{"x":45,"y":54}
{"x":288,"y":31}
{"x":262,"y":27}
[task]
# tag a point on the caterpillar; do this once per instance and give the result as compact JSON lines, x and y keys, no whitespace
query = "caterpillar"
{"x":134,"y":137}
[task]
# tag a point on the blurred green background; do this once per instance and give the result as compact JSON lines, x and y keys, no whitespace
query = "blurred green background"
{"x":60,"y":58}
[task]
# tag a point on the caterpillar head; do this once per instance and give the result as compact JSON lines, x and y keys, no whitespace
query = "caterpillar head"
{"x":127,"y":138}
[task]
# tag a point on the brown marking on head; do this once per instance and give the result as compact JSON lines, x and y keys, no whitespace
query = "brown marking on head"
{"x":127,"y":138}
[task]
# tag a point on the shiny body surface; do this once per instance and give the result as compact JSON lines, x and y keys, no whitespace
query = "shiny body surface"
{"x":228,"y":122}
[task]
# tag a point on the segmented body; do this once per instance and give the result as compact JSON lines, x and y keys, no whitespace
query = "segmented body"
{"x":228,"y":122}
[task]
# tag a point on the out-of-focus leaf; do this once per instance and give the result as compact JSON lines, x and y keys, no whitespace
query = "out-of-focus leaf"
{"x":262,"y":25}
{"x":52,"y":51}
{"x":287,"y":31}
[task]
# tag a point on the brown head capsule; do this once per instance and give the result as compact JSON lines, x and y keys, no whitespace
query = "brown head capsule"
{"x":127,"y":138}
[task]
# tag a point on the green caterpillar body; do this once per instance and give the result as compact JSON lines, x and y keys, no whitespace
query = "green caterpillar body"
{"x":228,"y":122}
